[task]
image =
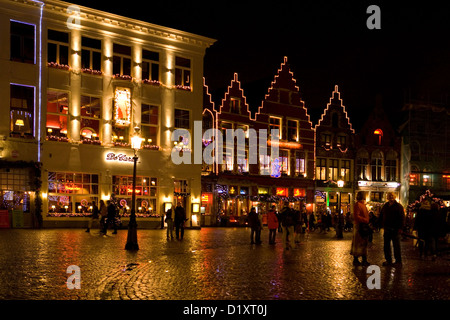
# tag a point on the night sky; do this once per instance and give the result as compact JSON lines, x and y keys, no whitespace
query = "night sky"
{"x":326,"y":42}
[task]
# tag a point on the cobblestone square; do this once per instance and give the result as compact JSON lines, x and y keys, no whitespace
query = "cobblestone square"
{"x":208,"y":264}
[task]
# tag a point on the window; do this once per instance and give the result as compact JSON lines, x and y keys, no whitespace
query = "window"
{"x":292,"y":130}
{"x":235,"y":105}
{"x":91,"y":54}
{"x":243,"y":163}
{"x":146,"y":194}
{"x":325,"y":139}
{"x":149,"y":124}
{"x":182,"y":120}
{"x":299,"y":163}
{"x":391,"y":170}
{"x":21,"y":110}
{"x":57,"y":112}
{"x":72,"y":194}
{"x":284,"y":161}
{"x":446,"y":181}
{"x":182,"y":72}
{"x":180,"y":186}
{"x":333,"y":170}
{"x":264,"y":164}
{"x":376,"y":196}
{"x":275,"y":124}
{"x":15,"y":184}
{"x":321,"y":169}
{"x":90,"y":117}
{"x":121,"y":60}
{"x":345,"y":170}
{"x":22,"y":43}
{"x":377,"y":165}
{"x":58,"y":47}
{"x":121,"y":136}
{"x":413,"y":179}
{"x":362,"y":163}
{"x":150,"y":65}
{"x":342,"y":142}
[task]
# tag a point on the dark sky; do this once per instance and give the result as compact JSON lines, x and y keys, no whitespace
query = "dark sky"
{"x":327,"y":43}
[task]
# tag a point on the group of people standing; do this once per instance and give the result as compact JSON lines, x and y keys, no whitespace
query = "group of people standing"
{"x":176,"y":218}
{"x":288,"y":221}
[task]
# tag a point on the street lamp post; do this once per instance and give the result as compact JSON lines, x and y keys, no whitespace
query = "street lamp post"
{"x":132,"y":243}
{"x":340,"y":226}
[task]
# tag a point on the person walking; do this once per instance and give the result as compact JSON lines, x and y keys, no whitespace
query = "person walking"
{"x":103,"y":215}
{"x":95,"y":216}
{"x":288,"y":222}
{"x":272,"y":224}
{"x":169,"y":221}
{"x":180,"y":219}
{"x":392,"y":219}
{"x":360,"y":237}
{"x":111,"y":217}
{"x":255,"y":226}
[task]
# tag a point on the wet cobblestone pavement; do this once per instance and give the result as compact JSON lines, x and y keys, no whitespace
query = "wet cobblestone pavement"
{"x":208,"y":264}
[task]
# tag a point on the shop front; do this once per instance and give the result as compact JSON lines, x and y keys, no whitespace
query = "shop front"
{"x":88,"y":174}
{"x":19,"y":181}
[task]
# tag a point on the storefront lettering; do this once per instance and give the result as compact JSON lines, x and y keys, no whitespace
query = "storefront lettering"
{"x":118,"y":157}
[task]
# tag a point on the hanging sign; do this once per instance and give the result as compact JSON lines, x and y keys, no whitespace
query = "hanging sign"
{"x":122,"y":106}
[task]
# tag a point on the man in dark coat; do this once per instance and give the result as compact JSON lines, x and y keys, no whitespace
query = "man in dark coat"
{"x":392,"y":218}
{"x":180,"y":219}
{"x":111,"y":217}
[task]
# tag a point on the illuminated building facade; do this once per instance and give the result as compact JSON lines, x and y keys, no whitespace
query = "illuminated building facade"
{"x":426,"y":151}
{"x":335,"y":154}
{"x":231,"y":188}
{"x":78,"y":85}
{"x":378,"y":160}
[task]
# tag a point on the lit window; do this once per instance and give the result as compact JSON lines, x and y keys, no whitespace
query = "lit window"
{"x":90,"y":117}
{"x":149,"y":125}
{"x":275,"y":124}
{"x":182,"y":120}
{"x":57,"y":111}
{"x":21,"y":110}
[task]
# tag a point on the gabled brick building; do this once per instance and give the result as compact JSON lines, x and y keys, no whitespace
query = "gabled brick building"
{"x":335,"y":154}
{"x":231,"y":188}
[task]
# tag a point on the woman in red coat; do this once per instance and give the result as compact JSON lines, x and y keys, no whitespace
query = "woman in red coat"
{"x":272,"y":224}
{"x":359,"y":241}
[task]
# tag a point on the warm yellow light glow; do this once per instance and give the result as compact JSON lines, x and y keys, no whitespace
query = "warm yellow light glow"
{"x":136,"y":142}
{"x":340,"y":183}
{"x":19,"y":122}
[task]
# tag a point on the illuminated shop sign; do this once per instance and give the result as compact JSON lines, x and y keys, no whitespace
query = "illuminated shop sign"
{"x":118,"y":157}
{"x":299,"y":192}
{"x":282,"y":192}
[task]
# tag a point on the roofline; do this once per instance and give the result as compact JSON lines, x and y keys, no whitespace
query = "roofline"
{"x":128,"y":23}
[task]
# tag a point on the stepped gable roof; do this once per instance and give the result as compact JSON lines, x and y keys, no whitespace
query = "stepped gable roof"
{"x":283,"y":97}
{"x":235,"y":91}
{"x":335,"y":105}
